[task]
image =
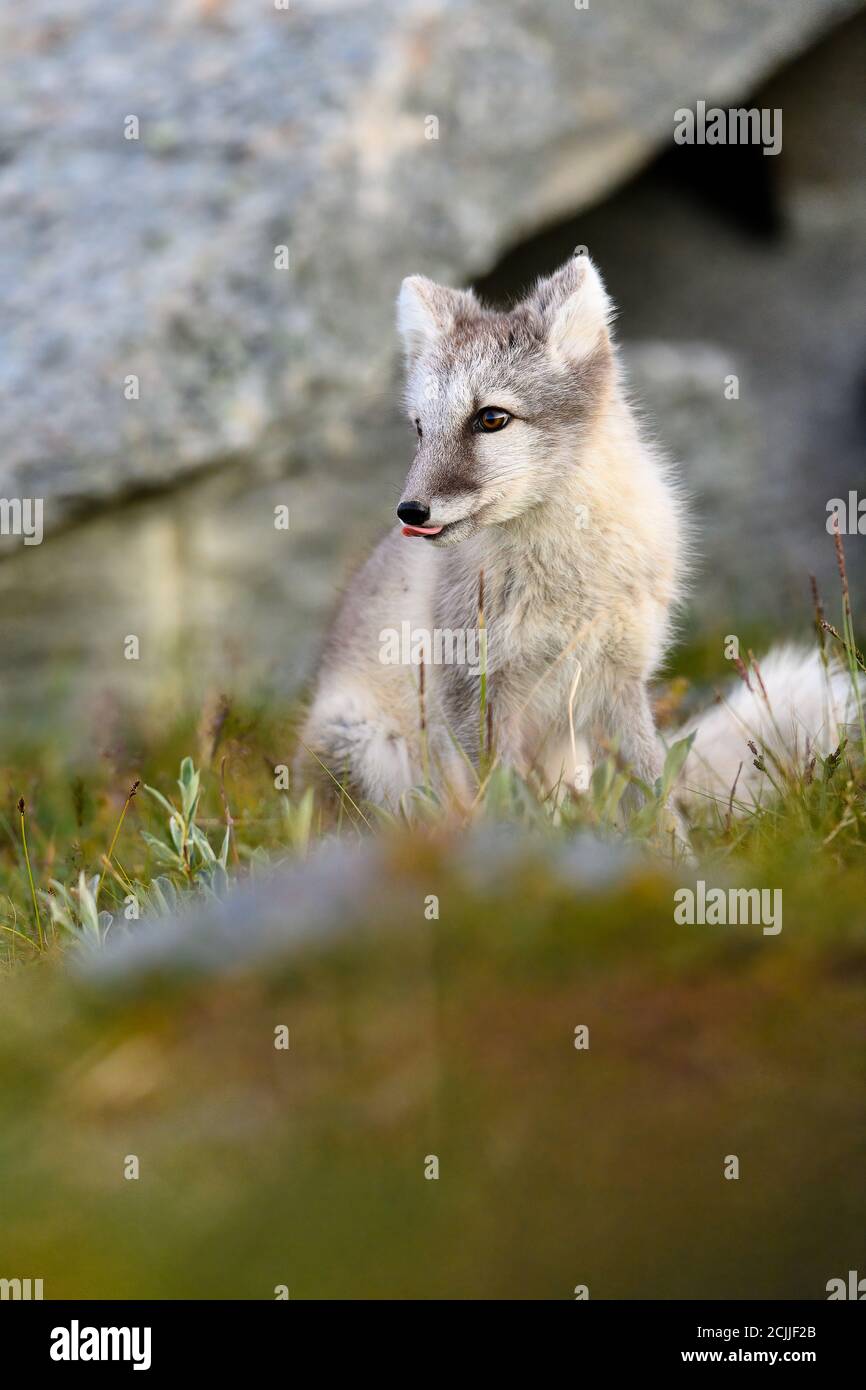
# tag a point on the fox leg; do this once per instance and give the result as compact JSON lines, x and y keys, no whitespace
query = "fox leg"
{"x":631,"y":723}
{"x":360,"y":747}
{"x":633,"y":726}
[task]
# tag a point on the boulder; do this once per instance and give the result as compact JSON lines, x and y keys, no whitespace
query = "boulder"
{"x":155,"y":159}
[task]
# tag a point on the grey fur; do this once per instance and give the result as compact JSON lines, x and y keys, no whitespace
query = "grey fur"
{"x":570,"y":516}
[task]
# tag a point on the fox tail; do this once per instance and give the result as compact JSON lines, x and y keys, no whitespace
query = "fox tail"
{"x":795,"y":708}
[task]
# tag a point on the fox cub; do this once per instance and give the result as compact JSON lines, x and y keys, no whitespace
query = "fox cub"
{"x":532,"y":499}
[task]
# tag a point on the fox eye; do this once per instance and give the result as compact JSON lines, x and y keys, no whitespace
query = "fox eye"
{"x":491,"y":418}
{"x":418,"y":428}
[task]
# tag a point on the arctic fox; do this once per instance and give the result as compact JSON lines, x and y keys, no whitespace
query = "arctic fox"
{"x":521,"y":611}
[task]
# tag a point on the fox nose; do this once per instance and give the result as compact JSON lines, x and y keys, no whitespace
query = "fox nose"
{"x":413,"y":513}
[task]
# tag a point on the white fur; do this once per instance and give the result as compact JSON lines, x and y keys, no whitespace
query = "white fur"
{"x":582,"y":319}
{"x":578,"y":613}
{"x":805,"y":712}
{"x":560,"y":593}
{"x":417,"y":323}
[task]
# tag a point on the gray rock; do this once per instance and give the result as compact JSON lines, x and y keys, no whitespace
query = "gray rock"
{"x":306,"y":128}
{"x":343,"y":889}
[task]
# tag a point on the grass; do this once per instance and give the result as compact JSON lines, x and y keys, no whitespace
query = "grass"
{"x":175,"y":827}
{"x":417,"y":1031}
{"x":90,"y":838}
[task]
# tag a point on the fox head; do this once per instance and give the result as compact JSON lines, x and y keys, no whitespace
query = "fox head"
{"x":499,"y":400}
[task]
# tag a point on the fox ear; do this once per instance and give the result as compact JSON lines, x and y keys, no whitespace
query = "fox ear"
{"x":576,"y":309}
{"x":426,"y":311}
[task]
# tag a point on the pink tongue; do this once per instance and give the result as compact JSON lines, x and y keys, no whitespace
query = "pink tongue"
{"x":421,"y":530}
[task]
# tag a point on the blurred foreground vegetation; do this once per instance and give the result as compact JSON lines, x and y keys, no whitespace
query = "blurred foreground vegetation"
{"x":419,"y":1031}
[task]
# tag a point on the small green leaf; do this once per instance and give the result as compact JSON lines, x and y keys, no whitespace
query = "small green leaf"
{"x":163,"y":854}
{"x":88,"y":913}
{"x":161,"y":799}
{"x":202,"y":844}
{"x":176,"y":829}
{"x":674,"y":761}
{"x":224,"y":851}
{"x":189,"y":787}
